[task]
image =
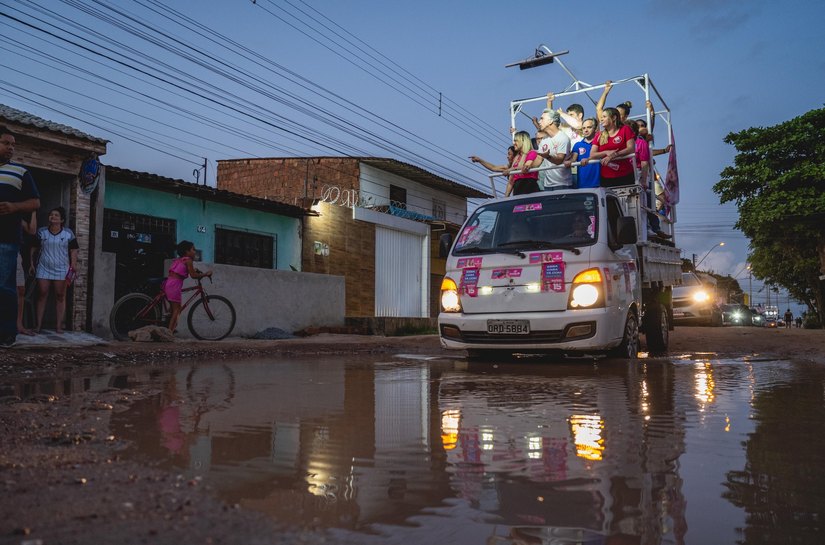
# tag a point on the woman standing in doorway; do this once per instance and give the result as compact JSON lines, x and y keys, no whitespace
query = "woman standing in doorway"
{"x":56,"y":265}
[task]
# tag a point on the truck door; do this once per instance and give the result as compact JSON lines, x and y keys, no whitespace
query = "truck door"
{"x":623,"y":276}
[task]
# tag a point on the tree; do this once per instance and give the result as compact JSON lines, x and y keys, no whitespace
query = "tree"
{"x":778,"y":183}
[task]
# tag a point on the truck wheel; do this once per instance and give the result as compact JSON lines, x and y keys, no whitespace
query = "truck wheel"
{"x":629,"y":347}
{"x":657,"y":328}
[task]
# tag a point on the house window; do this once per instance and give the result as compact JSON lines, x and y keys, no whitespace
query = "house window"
{"x":398,"y":197}
{"x":439,"y":209}
{"x":244,"y":249}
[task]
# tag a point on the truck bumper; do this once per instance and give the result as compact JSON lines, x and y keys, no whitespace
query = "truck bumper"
{"x":584,"y":330}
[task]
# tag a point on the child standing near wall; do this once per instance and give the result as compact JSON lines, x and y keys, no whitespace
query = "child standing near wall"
{"x":182,"y":267}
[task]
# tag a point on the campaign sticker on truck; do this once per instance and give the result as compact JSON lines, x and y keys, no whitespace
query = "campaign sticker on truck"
{"x":469,"y":282}
{"x":626,"y":270}
{"x":546,"y":257}
{"x":498,"y":274}
{"x":608,"y":283}
{"x":467,"y":262}
{"x":552,"y":276}
{"x":471,"y":234}
{"x":531,"y":207}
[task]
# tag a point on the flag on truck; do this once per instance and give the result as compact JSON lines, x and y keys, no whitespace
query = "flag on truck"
{"x":672,"y":177}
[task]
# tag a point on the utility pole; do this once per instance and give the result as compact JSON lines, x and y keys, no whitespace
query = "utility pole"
{"x":694,"y":262}
{"x":750,"y":287}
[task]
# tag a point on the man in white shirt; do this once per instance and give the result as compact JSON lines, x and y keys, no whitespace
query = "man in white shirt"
{"x":553,"y":149}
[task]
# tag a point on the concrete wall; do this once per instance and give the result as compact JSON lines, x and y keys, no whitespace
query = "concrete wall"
{"x":198,"y":218}
{"x":262,"y":298}
{"x":375,"y":185}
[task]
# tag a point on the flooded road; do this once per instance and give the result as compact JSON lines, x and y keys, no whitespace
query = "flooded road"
{"x":417,"y":450}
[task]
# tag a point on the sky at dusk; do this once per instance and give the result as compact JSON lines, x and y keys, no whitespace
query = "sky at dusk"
{"x":172,"y":82}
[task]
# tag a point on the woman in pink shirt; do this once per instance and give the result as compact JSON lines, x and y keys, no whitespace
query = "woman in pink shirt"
{"x":614,"y":146}
{"x":521,"y":181}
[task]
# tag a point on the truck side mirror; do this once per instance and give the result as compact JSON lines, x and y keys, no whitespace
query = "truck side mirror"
{"x":626,"y":228}
{"x":445,"y":242}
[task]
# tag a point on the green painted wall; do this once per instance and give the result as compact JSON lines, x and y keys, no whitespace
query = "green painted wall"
{"x":190,"y":213}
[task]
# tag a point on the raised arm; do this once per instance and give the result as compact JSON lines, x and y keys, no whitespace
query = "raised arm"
{"x":603,"y":99}
{"x":488,"y":165}
{"x":650,"y":109}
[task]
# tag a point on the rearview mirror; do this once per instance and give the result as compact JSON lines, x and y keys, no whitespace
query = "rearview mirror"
{"x":445,"y":242}
{"x":626,"y":228}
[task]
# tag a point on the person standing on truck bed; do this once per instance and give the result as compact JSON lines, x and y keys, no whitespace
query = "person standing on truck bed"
{"x":614,"y":146}
{"x":521,"y":181}
{"x":571,"y":119}
{"x":589,"y":175}
{"x":553,"y":149}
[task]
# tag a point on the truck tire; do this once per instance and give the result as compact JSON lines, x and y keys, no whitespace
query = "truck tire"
{"x":629,"y":347}
{"x":657,"y":328}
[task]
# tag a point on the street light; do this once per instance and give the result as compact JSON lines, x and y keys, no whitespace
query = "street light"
{"x":696,"y":267}
{"x":542,"y":56}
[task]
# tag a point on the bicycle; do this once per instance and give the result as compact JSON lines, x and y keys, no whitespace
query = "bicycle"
{"x":211,"y":317}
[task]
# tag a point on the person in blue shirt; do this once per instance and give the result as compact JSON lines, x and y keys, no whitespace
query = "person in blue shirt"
{"x":588,"y":175}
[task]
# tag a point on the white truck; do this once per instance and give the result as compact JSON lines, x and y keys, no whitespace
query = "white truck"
{"x":569,"y":271}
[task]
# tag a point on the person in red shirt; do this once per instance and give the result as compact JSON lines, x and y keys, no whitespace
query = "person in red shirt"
{"x":614,"y":146}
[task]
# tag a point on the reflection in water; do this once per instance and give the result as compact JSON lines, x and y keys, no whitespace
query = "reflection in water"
{"x":428,"y":452}
{"x":782,"y":486}
{"x":587,"y":435}
{"x":705,"y":385}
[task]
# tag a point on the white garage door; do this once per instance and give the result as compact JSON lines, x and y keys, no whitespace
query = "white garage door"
{"x":399,"y":290}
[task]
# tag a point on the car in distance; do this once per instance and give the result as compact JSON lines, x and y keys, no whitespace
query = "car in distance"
{"x":736,"y":314}
{"x":693,"y":302}
{"x":756,"y":318}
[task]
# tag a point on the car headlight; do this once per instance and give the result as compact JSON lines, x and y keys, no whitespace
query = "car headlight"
{"x":736,"y":315}
{"x":450,"y":301}
{"x":701,"y":296}
{"x":587,"y":289}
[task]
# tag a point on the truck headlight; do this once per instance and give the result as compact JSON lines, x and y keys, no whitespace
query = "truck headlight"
{"x":587,"y":289}
{"x":701,"y":296}
{"x":450,"y":301}
{"x":584,"y":295}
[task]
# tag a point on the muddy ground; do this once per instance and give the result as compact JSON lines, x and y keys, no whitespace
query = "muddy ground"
{"x":62,"y":481}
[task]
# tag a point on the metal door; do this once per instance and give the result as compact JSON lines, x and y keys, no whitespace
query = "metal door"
{"x":399,"y":290}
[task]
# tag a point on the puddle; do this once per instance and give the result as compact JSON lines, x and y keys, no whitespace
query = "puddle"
{"x":413,"y":450}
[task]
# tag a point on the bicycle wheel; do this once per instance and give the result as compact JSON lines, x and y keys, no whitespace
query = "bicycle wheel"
{"x":124,"y":316}
{"x":212,"y":318}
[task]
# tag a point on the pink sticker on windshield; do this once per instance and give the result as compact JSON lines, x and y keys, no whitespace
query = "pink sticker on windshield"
{"x":466,"y":262}
{"x":527,"y":207}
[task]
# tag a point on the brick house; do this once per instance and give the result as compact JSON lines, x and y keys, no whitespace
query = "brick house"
{"x":379,"y":224}
{"x":54,"y":154}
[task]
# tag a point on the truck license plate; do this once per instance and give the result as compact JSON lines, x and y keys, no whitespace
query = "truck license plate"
{"x":508,"y":327}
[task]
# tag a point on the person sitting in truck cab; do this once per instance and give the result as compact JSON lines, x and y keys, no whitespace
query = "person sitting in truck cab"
{"x":581,"y":222}
{"x":614,"y":146}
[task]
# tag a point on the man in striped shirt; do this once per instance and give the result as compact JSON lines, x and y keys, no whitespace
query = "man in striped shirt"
{"x":18,"y":199}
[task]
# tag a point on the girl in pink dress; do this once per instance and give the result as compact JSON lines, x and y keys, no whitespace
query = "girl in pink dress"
{"x":181,"y":268}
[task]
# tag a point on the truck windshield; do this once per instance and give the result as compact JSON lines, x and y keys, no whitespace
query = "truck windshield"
{"x":539,"y":220}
